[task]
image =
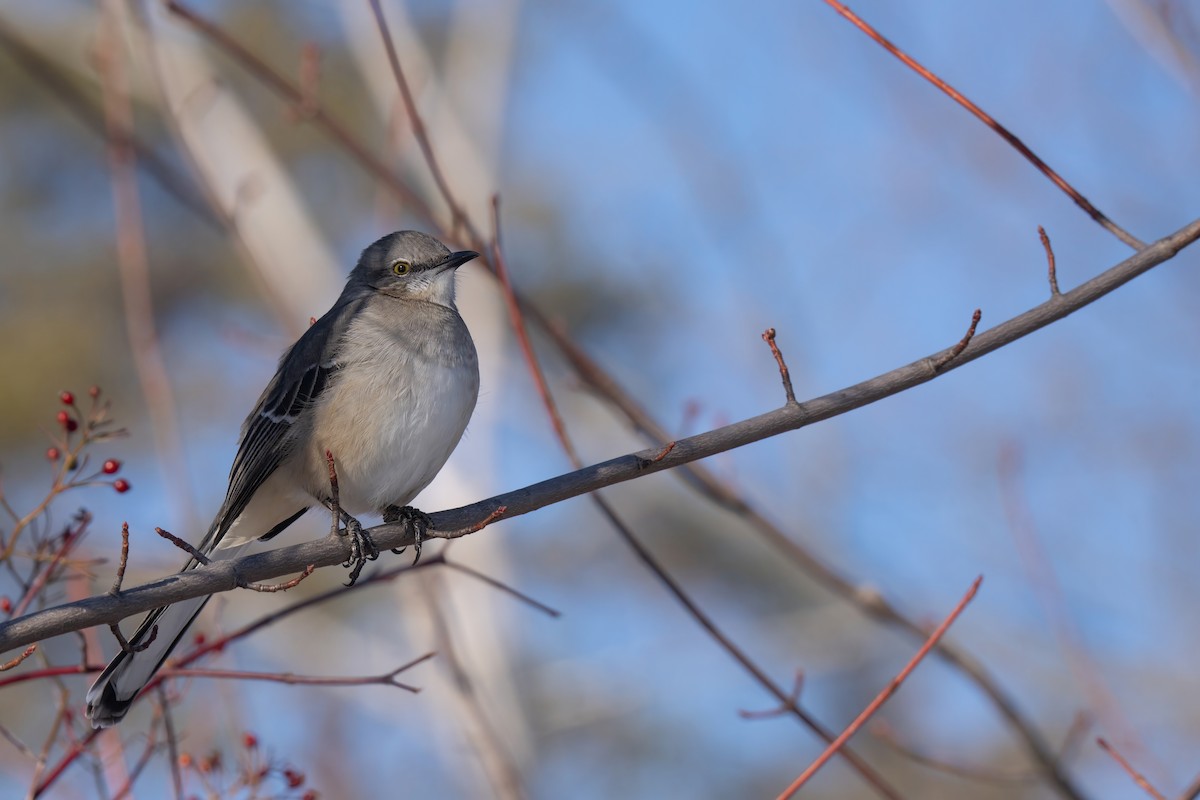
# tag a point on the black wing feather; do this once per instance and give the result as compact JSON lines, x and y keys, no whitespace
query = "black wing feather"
{"x":304,"y":372}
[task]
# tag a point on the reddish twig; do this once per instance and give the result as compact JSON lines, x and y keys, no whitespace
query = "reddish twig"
{"x":1138,"y":777}
{"x":666,"y":451}
{"x":132,"y":648}
{"x":769,"y":337}
{"x":70,"y":538}
{"x":1051,"y":268}
{"x":7,"y":665}
{"x":458,"y":218}
{"x":988,"y":120}
{"x":335,"y":506}
{"x":269,"y":588}
{"x":184,"y":546}
{"x":116,"y":587}
{"x":75,"y":751}
{"x":493,"y":515}
{"x":884,"y":695}
{"x":956,"y":351}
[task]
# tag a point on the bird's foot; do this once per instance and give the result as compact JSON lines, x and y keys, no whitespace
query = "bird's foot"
{"x":362,"y":547}
{"x":414,"y":518}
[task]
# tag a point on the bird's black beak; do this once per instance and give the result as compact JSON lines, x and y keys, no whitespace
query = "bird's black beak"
{"x":456,"y":260}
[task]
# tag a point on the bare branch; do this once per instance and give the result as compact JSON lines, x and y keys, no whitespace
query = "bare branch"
{"x":223,"y":576}
{"x":987,"y":119}
{"x":884,"y":695}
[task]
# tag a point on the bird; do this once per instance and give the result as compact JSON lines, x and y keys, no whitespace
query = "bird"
{"x":385,"y":383}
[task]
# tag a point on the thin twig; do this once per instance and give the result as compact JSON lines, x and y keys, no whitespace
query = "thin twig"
{"x":956,"y":351}
{"x":115,"y":627}
{"x":769,"y":337}
{"x":504,"y":587}
{"x":116,"y":587}
{"x":1051,"y":269}
{"x":459,"y":220}
{"x":1138,"y":777}
{"x":7,"y":665}
{"x":883,"y":696}
{"x":771,"y":713}
{"x":270,"y":588}
{"x":184,"y":546}
{"x":988,"y":120}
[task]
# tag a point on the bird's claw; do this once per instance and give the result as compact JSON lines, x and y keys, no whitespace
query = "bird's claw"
{"x":362,"y":548}
{"x":418,"y":520}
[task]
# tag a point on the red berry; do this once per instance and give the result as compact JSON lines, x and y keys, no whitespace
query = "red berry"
{"x":94,"y":392}
{"x":249,"y":740}
{"x":5,"y":604}
{"x":311,"y":794}
{"x":62,"y":417}
{"x":294,"y":778}
{"x":185,"y":760}
{"x":111,"y":466}
{"x":67,"y":398}
{"x":52,"y":454}
{"x":121,"y":485}
{"x":71,"y":425}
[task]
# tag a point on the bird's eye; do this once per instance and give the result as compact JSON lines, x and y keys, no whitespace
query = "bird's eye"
{"x":401,"y":267}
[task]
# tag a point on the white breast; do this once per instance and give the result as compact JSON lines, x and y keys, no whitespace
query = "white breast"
{"x":393,"y":414}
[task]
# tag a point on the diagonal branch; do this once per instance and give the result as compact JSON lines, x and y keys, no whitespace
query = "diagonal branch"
{"x":225,"y":575}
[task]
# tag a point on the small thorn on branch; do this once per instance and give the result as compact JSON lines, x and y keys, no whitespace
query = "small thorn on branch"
{"x":7,"y":665}
{"x":769,"y":337}
{"x":1138,"y":777}
{"x":1052,"y":269}
{"x":116,"y":587}
{"x":962,"y":343}
{"x":793,"y":702}
{"x":278,"y":587}
{"x":132,"y":648}
{"x":182,"y":545}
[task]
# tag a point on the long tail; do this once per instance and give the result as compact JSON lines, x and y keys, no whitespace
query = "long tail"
{"x":114,"y":691}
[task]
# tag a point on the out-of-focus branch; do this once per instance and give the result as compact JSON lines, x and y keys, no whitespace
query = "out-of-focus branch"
{"x":1100,"y":217}
{"x":884,"y":695}
{"x":634,"y":542}
{"x":132,"y":259}
{"x":453,"y":523}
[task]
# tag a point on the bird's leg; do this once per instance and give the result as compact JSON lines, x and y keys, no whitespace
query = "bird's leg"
{"x":362,"y":546}
{"x":414,"y":518}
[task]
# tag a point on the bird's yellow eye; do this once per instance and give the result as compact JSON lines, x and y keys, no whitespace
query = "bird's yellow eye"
{"x":401,"y":267}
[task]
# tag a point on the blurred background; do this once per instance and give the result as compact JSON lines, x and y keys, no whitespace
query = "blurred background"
{"x":674,"y":178}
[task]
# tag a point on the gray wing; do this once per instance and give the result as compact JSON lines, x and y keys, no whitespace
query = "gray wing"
{"x":304,"y":371}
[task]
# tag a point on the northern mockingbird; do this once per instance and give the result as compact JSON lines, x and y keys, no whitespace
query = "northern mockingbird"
{"x":385,"y":381}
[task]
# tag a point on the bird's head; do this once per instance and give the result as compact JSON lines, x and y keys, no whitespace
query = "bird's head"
{"x":410,"y":265}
